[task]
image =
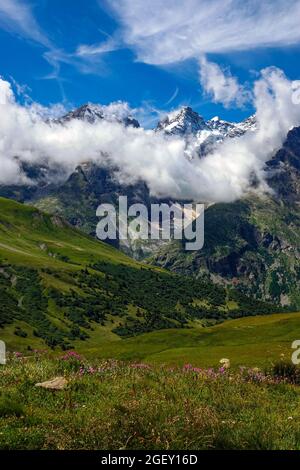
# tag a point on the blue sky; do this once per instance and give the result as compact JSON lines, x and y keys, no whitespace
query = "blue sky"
{"x":144,"y":52}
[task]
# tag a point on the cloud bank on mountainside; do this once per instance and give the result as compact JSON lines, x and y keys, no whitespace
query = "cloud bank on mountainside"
{"x":139,"y":154}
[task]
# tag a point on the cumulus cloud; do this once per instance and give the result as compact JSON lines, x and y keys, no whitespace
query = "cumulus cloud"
{"x":117,"y":110}
{"x":6,"y":93}
{"x":233,"y":165}
{"x":140,"y":154}
{"x":167,"y":31}
{"x":221,"y":85}
{"x":53,"y":111}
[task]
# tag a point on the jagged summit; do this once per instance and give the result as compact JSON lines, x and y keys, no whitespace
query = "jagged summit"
{"x":232,"y":129}
{"x":94,"y":113}
{"x":182,"y":122}
{"x":202,"y":136}
{"x":187,"y":121}
{"x":88,"y":112}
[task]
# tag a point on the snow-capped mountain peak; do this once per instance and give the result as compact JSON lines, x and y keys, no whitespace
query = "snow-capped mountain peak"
{"x":88,"y":112}
{"x":183,"y":122}
{"x":93,"y":113}
{"x":202,"y":136}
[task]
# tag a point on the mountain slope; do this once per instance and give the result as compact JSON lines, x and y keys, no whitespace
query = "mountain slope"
{"x":253,"y":244}
{"x":59,"y":286}
{"x":88,"y":186}
{"x":284,"y":170}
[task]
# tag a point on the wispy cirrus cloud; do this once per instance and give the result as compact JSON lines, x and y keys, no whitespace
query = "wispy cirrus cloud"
{"x":17,"y":17}
{"x":164,"y":32}
{"x":86,"y":50}
{"x":167,"y":31}
{"x":173,"y":97}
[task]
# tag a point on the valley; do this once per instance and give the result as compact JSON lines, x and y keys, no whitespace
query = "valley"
{"x":60,"y":286}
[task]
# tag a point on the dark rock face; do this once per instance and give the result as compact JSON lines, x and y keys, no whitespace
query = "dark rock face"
{"x":252,"y":244}
{"x":87,"y":188}
{"x":284,"y":169}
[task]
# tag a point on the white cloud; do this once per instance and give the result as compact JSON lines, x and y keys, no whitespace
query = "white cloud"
{"x":97,"y":49}
{"x":173,"y":97}
{"x":221,"y":85}
{"x":53,"y":111}
{"x":17,"y":17}
{"x":6,"y":93}
{"x":168,"y":31}
{"x":232,"y":165}
{"x":118,"y":110}
{"x":145,"y":155}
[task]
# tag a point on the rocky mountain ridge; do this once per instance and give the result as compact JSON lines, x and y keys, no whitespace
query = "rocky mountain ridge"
{"x":93,"y":113}
{"x":202,"y":136}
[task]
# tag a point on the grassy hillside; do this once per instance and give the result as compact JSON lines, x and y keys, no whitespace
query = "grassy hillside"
{"x":32,"y":238}
{"x":59,"y":287}
{"x":252,"y":341}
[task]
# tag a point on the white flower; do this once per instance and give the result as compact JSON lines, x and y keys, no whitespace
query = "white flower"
{"x":225,"y":363}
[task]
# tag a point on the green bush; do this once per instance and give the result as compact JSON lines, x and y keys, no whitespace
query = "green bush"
{"x":286,"y":370}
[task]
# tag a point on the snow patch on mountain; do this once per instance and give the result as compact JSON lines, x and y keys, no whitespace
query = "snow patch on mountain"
{"x":183,"y":123}
{"x":202,"y":136}
{"x":93,"y":113}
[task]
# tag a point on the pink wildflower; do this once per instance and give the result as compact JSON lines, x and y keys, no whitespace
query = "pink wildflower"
{"x":71,"y":355}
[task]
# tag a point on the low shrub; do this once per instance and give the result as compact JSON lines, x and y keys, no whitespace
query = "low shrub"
{"x":286,"y":370}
